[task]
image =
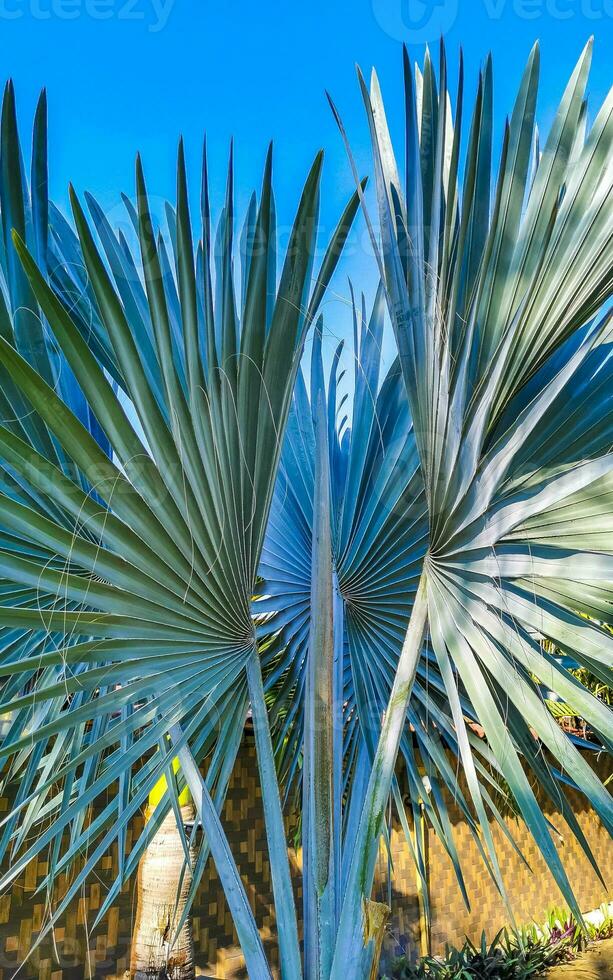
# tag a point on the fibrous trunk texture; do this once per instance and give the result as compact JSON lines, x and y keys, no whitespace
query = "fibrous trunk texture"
{"x":158,"y":911}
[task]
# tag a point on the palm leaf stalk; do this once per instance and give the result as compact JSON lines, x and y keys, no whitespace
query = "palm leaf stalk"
{"x":156,"y":578}
{"x":496,"y":316}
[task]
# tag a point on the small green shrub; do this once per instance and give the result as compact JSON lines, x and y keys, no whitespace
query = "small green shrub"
{"x":510,"y":956}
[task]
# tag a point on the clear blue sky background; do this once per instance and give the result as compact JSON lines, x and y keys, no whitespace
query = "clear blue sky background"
{"x":128,"y":75}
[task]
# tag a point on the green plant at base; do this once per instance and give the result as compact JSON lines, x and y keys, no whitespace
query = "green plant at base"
{"x":508,"y":956}
{"x":512,"y":954}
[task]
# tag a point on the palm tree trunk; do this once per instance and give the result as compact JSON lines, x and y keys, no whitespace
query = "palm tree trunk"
{"x":159,"y":907}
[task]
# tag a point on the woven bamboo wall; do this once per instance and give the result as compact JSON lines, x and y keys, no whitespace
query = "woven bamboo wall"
{"x":80,"y":953}
{"x":532,"y":890}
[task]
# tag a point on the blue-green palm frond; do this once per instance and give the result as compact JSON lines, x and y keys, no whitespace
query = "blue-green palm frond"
{"x":506,"y":361}
{"x":146,"y":556}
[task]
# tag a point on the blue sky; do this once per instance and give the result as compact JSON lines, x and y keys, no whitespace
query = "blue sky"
{"x":128,"y":75}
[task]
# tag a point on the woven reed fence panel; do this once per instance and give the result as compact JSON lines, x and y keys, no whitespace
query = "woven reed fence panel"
{"x":77,"y":952}
{"x":532,"y":891}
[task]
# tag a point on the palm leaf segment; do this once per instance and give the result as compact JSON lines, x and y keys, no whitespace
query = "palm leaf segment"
{"x":508,"y":372}
{"x":142,"y":562}
{"x":374,"y":479}
{"x":24,"y":206}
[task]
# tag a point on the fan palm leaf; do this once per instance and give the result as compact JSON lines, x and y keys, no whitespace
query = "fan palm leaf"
{"x":496,"y":316}
{"x":152,"y":567}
